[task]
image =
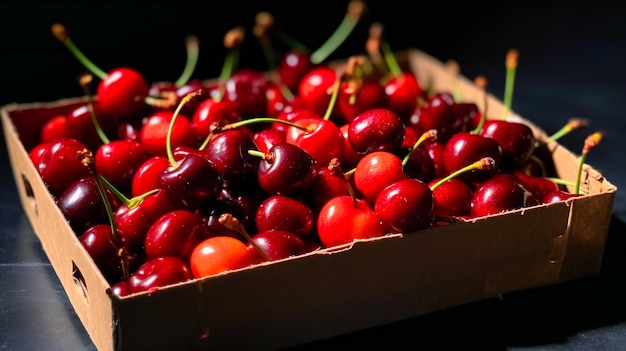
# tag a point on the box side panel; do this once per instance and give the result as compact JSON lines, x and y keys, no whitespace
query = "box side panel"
{"x":372,"y":283}
{"x":81,"y":280}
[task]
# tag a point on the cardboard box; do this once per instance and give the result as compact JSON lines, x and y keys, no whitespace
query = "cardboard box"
{"x":334,"y":291}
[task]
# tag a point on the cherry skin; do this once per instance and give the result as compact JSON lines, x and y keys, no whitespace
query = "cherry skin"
{"x":154,"y":132}
{"x":406,"y":206}
{"x":211,"y":113}
{"x":53,"y":129}
{"x":500,"y":193}
{"x":558,"y":196}
{"x":515,"y":138}
{"x":192,"y":183}
{"x":293,"y":67}
{"x":213,"y":213}
{"x":322,"y":139}
{"x":97,"y":242}
{"x":122,"y":92}
{"x":464,"y":148}
{"x":219,"y":254}
{"x":276,"y":244}
{"x":344,"y":219}
{"x":376,"y":171}
{"x":378,"y":129}
{"x":159,"y":272}
{"x":146,"y":177}
{"x":59,"y":165}
{"x":403,"y":93}
{"x":268,"y":137}
{"x":118,"y":161}
{"x":538,"y":186}
{"x":285,"y":213}
{"x":83,"y":206}
{"x":438,"y":114}
{"x":452,"y":198}
{"x":420,"y":165}
{"x":246,"y":89}
{"x":350,"y":157}
{"x":353,"y":100}
{"x":286,"y":169}
{"x":315,"y":88}
{"x":228,"y":153}
{"x":329,"y":182}
{"x":175,"y":233}
{"x":79,"y":125}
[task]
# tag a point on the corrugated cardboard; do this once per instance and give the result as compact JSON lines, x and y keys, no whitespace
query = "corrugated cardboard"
{"x":331,"y":292}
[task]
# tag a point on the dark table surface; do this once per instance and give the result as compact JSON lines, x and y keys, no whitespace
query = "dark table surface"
{"x":572,"y":58}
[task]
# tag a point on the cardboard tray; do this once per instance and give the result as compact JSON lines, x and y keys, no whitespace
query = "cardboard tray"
{"x":330,"y":292}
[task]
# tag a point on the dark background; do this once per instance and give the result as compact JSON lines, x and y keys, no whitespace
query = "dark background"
{"x":572,"y":58}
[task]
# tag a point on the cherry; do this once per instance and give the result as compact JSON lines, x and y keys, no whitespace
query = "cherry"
{"x":277,"y":244}
{"x":246,"y":89}
{"x":329,"y":181}
{"x":464,"y":148}
{"x":515,"y":138}
{"x":319,"y":137}
{"x":502,"y":192}
{"x":268,"y":137}
{"x":60,"y":165}
{"x":80,"y":126}
{"x":227,"y":151}
{"x":378,"y":129}
{"x":452,"y":196}
{"x":191,"y":182}
{"x":438,"y":113}
{"x":376,"y":171}
{"x":82,"y":204}
{"x":146,"y":177}
{"x":358,"y":94}
{"x":537,"y":185}
{"x":159,"y":272}
{"x":175,"y":233}
{"x":118,"y":161}
{"x":53,"y":129}
{"x":96,"y":240}
{"x":213,"y":213}
{"x":285,"y":169}
{"x":121,"y":91}
{"x":315,"y":89}
{"x":350,"y":157}
{"x":133,"y":220}
{"x":219,"y":254}
{"x":210,"y":113}
{"x":406,"y":205}
{"x":287,"y":214}
{"x":155,"y":130}
{"x":344,"y":219}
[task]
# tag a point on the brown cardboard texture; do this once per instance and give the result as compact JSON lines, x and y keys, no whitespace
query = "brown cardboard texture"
{"x":334,"y":291}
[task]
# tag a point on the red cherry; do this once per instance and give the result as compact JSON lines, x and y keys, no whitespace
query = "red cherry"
{"x":159,"y":272}
{"x":376,"y":171}
{"x":344,"y":219}
{"x":79,"y":125}
{"x":146,"y":177}
{"x":155,"y":129}
{"x":452,"y":198}
{"x":122,"y":92}
{"x":287,"y":214}
{"x":320,"y":138}
{"x":175,"y":233}
{"x":464,"y":148}
{"x":286,"y":169}
{"x":500,"y":193}
{"x":329,"y":182}
{"x":227,"y":151}
{"x":219,"y":254}
{"x":53,"y":129}
{"x":353,"y":100}
{"x":211,"y":113}
{"x":406,"y":206}
{"x":268,"y":137}
{"x":438,"y":114}
{"x":97,"y":242}
{"x":118,"y":161}
{"x":60,"y":166}
{"x":316,"y":87}
{"x":515,"y":138}
{"x":246,"y":89}
{"x":276,"y":244}
{"x":377,"y":129}
{"x":403,"y":92}
{"x":293,"y":67}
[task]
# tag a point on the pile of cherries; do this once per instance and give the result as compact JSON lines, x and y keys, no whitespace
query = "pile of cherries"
{"x":167,"y":182}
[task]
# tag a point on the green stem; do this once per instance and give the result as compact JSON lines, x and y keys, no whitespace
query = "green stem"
{"x":192,"y":60}
{"x":511,"y":67}
{"x":431,"y":134}
{"x":333,"y":99}
{"x":349,"y":22}
{"x":484,"y":163}
{"x":62,"y":35}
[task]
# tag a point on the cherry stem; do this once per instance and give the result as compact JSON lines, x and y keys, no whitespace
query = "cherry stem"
{"x":485,"y":163}
{"x":84,"y":81}
{"x":61,"y":33}
{"x":335,"y":166}
{"x":231,"y":222}
{"x":193,"y":48}
{"x":333,"y":99}
{"x":130,"y":203}
{"x":590,"y":142}
{"x":264,"y":21}
{"x":246,"y":122}
{"x":170,"y":129}
{"x":349,"y":22}
{"x":232,"y":41}
{"x":572,"y":124}
{"x":372,"y":46}
{"x":87,"y":159}
{"x":261,"y":154}
{"x":511,"y":67}
{"x":430,"y":134}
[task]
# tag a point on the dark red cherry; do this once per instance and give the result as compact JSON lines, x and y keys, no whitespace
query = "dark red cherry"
{"x":286,"y":169}
{"x":246,"y":89}
{"x":175,"y":233}
{"x":60,"y":164}
{"x":378,"y":129}
{"x":500,"y":193}
{"x":276,"y":244}
{"x":465,"y":148}
{"x":159,"y":272}
{"x":79,"y":125}
{"x":293,"y":67}
{"x":228,"y":153}
{"x":285,"y":213}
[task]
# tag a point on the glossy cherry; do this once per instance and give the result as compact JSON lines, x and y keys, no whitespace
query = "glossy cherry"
{"x":500,"y":193}
{"x":464,"y":148}
{"x":118,"y":161}
{"x":287,"y":214}
{"x":155,"y":130}
{"x":285,"y":169}
{"x":219,"y":254}
{"x":59,"y":164}
{"x":376,"y":171}
{"x":276,"y":244}
{"x":175,"y":233}
{"x":378,"y":129}
{"x":158,"y":272}
{"x":406,"y":206}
